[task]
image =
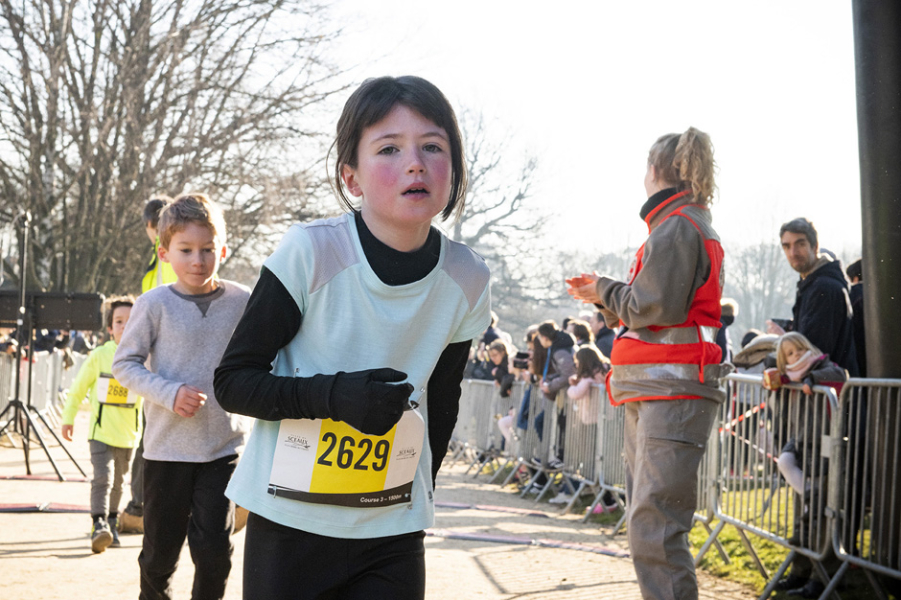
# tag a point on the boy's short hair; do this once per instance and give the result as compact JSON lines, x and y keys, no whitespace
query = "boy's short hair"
{"x":191,"y":208}
{"x":153,"y":208}
{"x":112,"y":304}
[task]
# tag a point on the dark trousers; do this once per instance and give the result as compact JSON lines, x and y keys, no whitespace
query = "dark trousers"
{"x":135,"y":506}
{"x":282,"y":562}
{"x":181,"y":500}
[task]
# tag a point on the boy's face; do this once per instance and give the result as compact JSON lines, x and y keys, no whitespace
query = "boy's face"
{"x":194,"y":254}
{"x":120,"y":318}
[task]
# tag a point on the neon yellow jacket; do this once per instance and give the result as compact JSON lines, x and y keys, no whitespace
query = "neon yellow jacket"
{"x":158,"y":272}
{"x":118,"y":426}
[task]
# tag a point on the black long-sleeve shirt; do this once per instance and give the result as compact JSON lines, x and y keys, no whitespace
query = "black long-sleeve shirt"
{"x":244,"y":384}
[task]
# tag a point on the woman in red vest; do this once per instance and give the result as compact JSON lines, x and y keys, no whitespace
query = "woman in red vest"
{"x":666,"y":365}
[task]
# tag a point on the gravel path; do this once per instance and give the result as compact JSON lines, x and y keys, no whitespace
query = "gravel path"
{"x":47,"y":556}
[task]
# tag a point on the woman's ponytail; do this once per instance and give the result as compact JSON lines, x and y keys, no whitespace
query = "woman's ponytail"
{"x":694,"y":162}
{"x":686,"y":161}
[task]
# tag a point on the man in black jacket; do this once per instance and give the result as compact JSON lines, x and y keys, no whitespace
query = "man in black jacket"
{"x":822,"y":313}
{"x":822,"y":310}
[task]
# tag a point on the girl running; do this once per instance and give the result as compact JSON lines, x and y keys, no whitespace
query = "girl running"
{"x":351,"y":353}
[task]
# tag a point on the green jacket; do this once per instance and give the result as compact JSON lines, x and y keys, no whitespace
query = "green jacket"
{"x":158,"y":272}
{"x":118,"y":426}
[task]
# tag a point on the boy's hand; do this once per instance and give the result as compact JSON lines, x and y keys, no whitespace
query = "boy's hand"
{"x":67,"y":432}
{"x":188,"y":400}
{"x":371,"y":401}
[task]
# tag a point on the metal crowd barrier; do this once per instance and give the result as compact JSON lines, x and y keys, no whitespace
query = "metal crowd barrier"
{"x":847,"y":510}
{"x":49,"y":381}
{"x":863,"y":496}
{"x":756,"y":430}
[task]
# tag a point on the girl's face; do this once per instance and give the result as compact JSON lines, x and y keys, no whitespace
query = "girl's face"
{"x":793,"y":353}
{"x":495,"y":356}
{"x":403,"y":174}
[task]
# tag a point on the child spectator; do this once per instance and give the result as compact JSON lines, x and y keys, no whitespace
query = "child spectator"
{"x":412,"y":301}
{"x":115,"y":425}
{"x":591,"y":368}
{"x":191,"y":444}
{"x":499,"y":354}
{"x":799,"y":361}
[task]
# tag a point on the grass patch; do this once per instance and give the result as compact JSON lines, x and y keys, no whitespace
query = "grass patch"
{"x":742,"y":568}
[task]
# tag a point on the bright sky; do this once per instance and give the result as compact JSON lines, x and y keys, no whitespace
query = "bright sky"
{"x":588,"y":86}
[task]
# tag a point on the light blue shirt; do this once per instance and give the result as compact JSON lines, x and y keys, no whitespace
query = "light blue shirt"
{"x":353,"y":321}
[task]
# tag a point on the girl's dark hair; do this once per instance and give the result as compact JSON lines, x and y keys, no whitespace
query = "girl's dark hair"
{"x":590,"y":361}
{"x":582,"y":330}
{"x":538,"y":357}
{"x":372,"y":101}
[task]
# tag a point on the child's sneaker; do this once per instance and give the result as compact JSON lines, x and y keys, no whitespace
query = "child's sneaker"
{"x":101,"y":536}
{"x":114,"y":529}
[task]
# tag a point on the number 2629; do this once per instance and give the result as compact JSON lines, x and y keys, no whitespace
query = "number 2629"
{"x":347,"y":450}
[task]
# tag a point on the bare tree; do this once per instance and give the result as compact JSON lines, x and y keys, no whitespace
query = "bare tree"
{"x":760,"y":279}
{"x":502,"y":220}
{"x":104,"y":103}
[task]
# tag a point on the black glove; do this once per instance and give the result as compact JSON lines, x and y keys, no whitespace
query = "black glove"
{"x":370,"y":401}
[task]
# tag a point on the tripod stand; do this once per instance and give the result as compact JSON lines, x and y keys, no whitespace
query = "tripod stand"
{"x":28,"y":310}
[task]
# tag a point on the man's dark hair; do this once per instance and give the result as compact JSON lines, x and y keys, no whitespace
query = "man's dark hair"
{"x":153,"y":208}
{"x":855,"y":269}
{"x":548,"y":329}
{"x":802,"y":226}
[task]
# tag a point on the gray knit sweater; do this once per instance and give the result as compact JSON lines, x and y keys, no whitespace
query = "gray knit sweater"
{"x":184,"y":338}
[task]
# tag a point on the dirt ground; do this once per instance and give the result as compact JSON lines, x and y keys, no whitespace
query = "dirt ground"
{"x":47,"y":555}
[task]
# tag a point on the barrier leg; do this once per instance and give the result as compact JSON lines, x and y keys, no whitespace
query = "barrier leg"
{"x":757,"y":562}
{"x":780,"y":572}
{"x":833,"y":583}
{"x":711,"y":538}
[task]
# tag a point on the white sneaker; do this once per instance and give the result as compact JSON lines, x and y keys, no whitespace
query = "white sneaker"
{"x":562,"y":498}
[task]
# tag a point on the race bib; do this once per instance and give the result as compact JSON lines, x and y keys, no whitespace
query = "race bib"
{"x":110,"y":391}
{"x":329,"y":462}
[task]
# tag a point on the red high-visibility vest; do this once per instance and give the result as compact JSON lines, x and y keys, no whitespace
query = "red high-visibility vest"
{"x":677,"y":352}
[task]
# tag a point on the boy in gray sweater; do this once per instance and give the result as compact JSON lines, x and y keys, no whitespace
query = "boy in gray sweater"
{"x":191,"y":444}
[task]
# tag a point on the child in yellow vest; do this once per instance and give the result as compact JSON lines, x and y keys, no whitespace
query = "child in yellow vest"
{"x":115,"y":426}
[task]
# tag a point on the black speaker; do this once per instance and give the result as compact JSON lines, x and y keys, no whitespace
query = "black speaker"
{"x":54,"y":310}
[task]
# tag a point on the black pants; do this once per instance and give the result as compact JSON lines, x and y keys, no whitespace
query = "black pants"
{"x":285,"y":563}
{"x":187,"y":500}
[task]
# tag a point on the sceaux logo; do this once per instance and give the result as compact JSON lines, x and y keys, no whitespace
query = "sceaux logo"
{"x":298,"y":442}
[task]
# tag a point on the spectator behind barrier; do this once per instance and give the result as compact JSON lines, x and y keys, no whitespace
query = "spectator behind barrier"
{"x":799,"y":361}
{"x":822,"y":310}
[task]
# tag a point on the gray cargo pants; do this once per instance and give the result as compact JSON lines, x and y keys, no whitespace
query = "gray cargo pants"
{"x":665,"y":440}
{"x":110,"y":466}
